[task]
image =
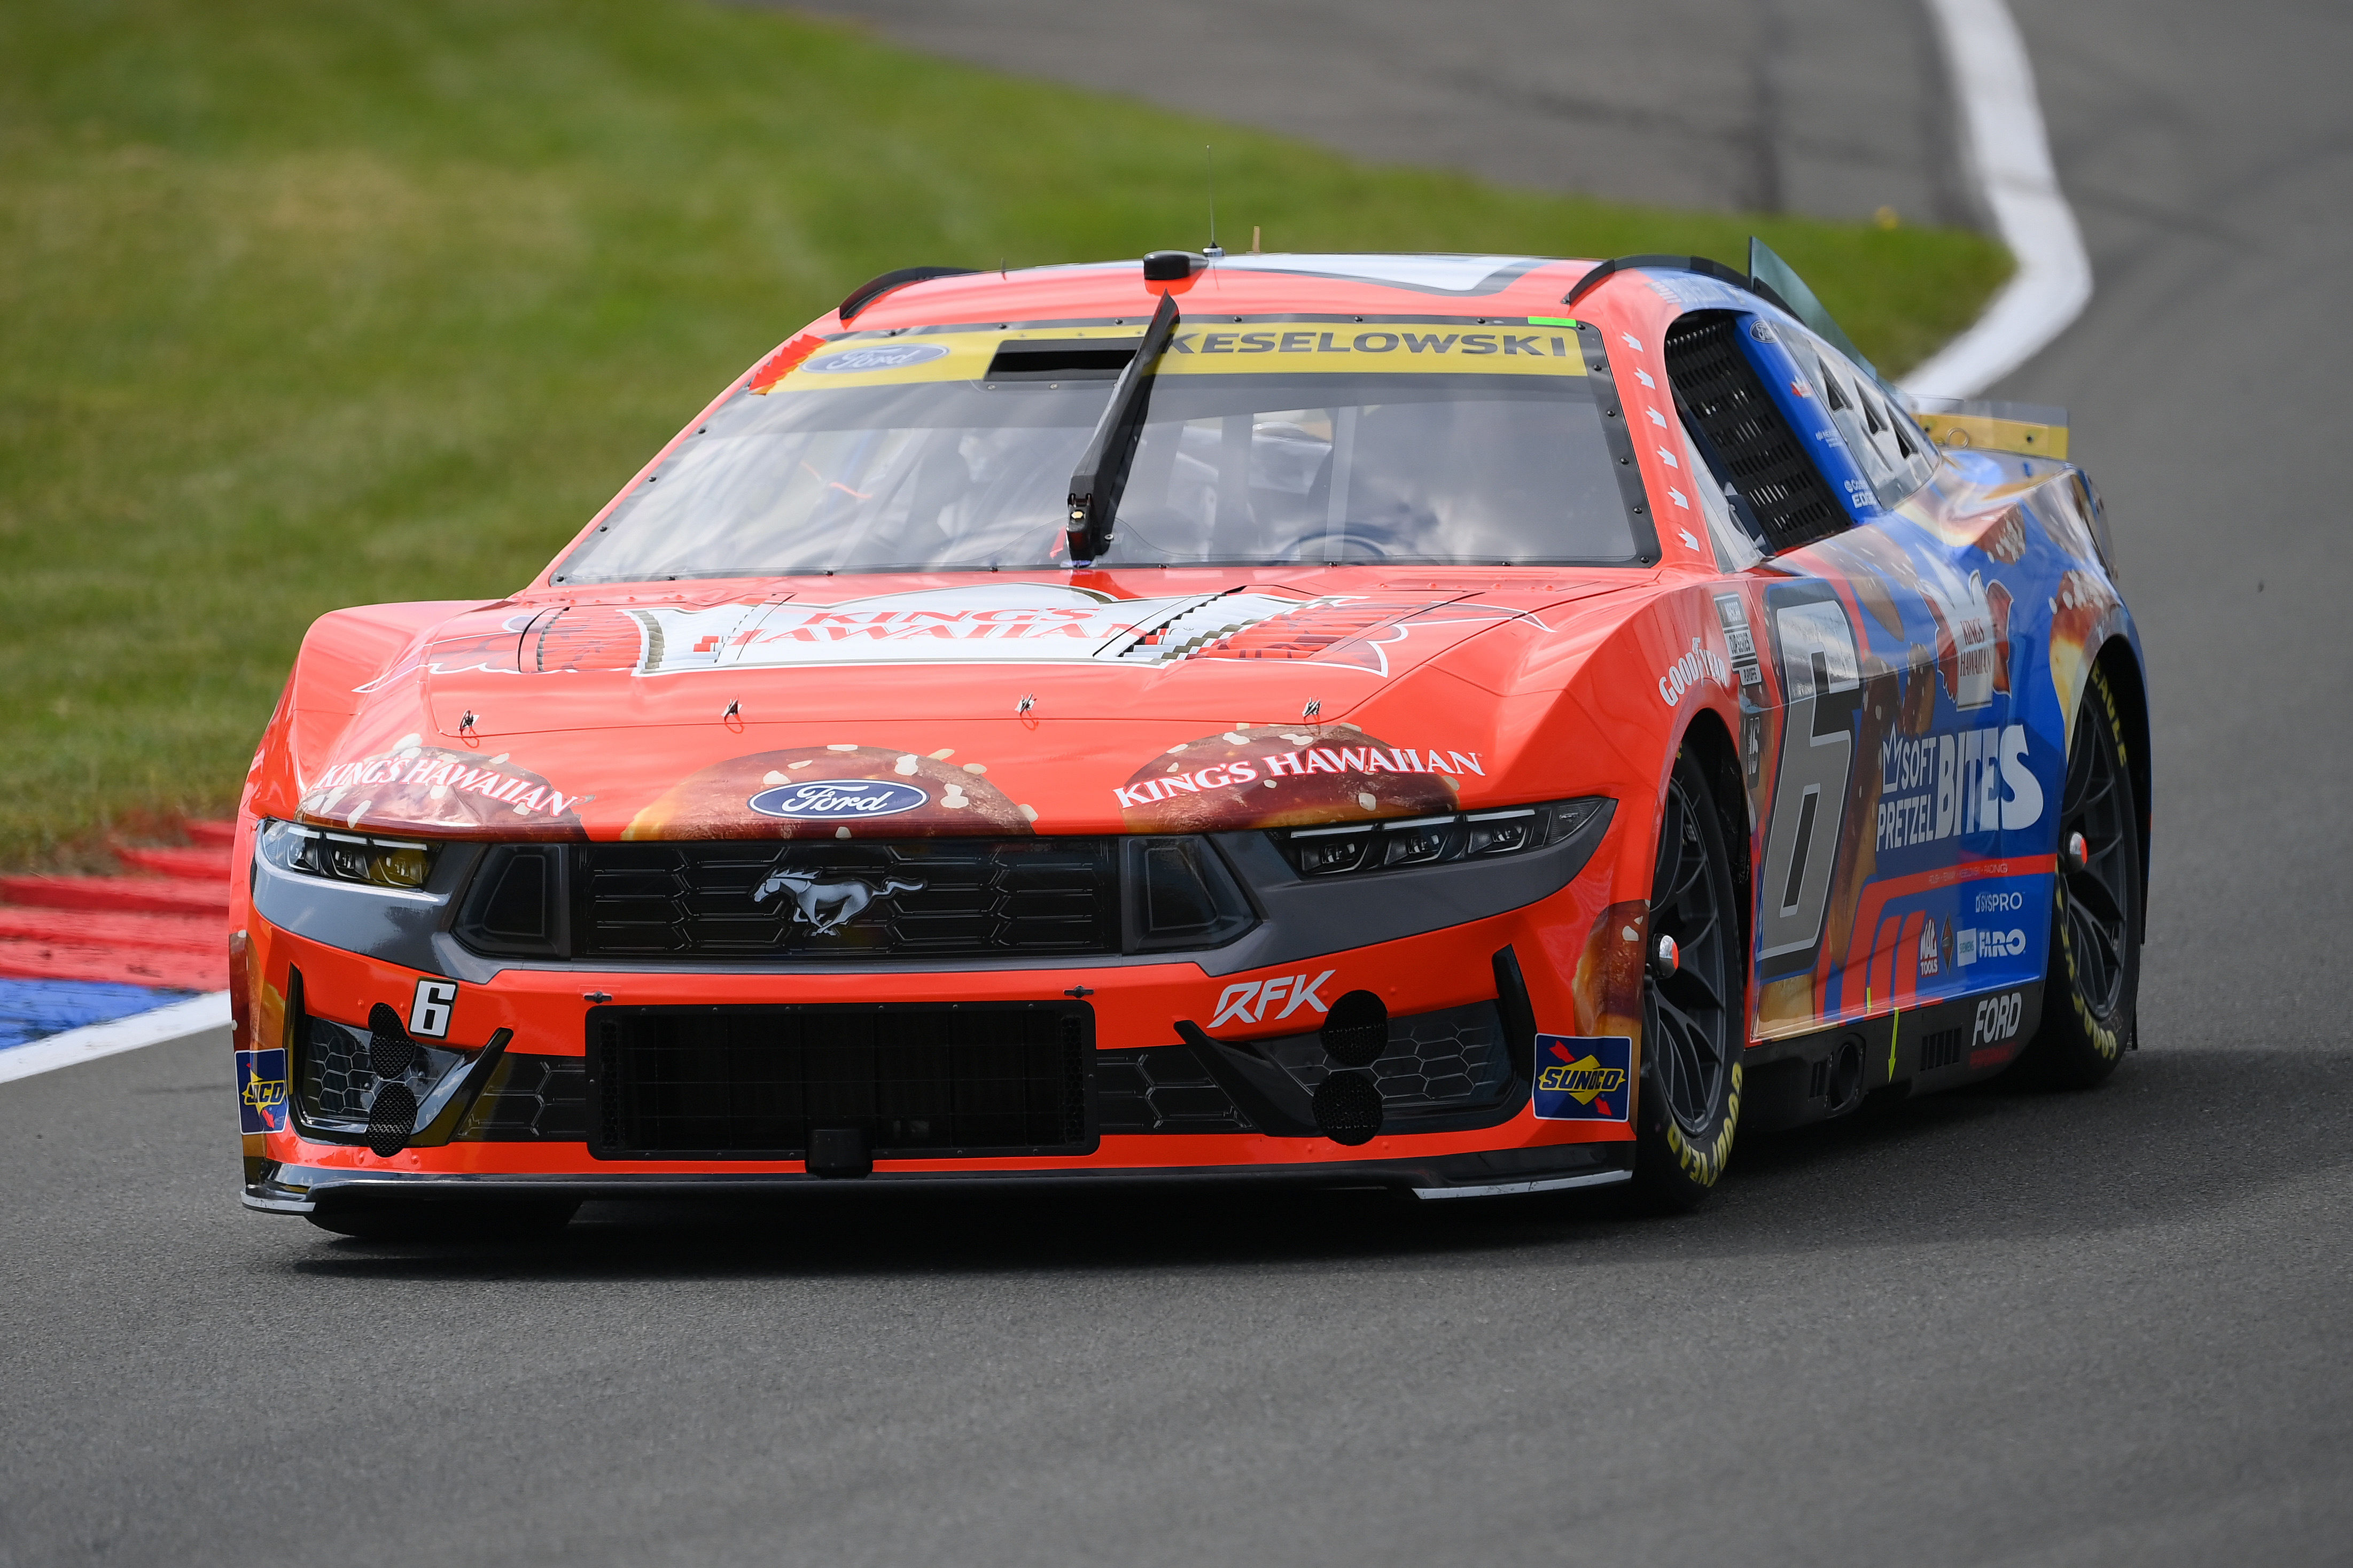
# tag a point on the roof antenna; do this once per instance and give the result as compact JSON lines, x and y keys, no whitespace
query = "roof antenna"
{"x":1213,"y":251}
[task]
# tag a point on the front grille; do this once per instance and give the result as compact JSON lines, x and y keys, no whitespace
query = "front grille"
{"x":1453,"y":1060}
{"x":530,"y":1099}
{"x":1163,"y":1090}
{"x":945,"y":898}
{"x":941,"y":1080}
{"x":1434,"y":1064}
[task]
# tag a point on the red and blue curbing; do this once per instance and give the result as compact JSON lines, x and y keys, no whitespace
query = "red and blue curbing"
{"x":76,"y":951}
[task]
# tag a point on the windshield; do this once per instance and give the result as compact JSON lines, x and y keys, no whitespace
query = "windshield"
{"x":1427,"y":443}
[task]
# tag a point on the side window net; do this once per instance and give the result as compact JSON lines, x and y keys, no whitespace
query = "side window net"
{"x":1721,"y":393}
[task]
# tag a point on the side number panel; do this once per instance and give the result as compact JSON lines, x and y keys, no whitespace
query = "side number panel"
{"x":1822,"y":685}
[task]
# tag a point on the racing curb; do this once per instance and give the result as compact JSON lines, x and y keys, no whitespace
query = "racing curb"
{"x":2009,"y":153}
{"x":92,"y":1041}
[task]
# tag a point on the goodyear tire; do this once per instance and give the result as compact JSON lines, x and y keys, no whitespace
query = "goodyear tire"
{"x":444,"y":1220}
{"x":1690,"y":1103}
{"x":2092,"y":991}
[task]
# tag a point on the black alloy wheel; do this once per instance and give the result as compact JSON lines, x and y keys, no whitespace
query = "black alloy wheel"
{"x":1692,"y":999}
{"x":2093,"y":978}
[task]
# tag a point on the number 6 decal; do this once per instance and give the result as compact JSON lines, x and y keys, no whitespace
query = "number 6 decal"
{"x":428,"y":1015}
{"x":1820,"y":683}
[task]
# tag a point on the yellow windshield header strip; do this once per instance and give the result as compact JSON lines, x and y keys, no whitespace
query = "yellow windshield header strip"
{"x":1218,"y":349}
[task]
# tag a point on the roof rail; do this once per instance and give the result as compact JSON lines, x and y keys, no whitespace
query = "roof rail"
{"x":866,"y":293}
{"x":1699,"y":264}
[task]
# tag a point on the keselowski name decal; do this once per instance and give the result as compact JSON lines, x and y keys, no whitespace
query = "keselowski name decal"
{"x":1224,"y":348}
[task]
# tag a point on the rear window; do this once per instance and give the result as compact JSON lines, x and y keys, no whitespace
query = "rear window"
{"x":1277,"y":442}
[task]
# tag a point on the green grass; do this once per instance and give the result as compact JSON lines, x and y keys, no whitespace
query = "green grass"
{"x":309,"y":304}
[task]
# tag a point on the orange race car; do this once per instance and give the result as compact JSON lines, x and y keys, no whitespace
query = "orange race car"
{"x":1475,"y":724}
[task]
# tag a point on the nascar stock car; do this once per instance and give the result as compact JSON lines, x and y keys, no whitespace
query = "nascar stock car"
{"x":1469,"y":724}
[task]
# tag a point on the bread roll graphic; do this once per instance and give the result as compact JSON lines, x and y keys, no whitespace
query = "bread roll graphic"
{"x":1288,"y":775}
{"x":433,"y":793}
{"x":840,"y":790}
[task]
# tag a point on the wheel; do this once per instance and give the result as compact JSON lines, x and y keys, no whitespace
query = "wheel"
{"x":447,"y":1219}
{"x":1691,"y":996}
{"x":2093,"y":978}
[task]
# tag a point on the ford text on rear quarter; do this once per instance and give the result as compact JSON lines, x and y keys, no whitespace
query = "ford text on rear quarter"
{"x":1478,"y":724}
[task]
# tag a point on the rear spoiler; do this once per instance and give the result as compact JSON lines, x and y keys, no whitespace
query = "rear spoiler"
{"x":2033,"y":430}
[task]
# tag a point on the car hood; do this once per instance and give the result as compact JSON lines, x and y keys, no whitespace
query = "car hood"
{"x":979,"y":703}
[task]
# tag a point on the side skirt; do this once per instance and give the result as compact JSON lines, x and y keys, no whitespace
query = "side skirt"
{"x":1939,"y":1046}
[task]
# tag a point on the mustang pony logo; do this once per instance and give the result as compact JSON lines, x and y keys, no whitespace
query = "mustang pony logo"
{"x":826,"y":906}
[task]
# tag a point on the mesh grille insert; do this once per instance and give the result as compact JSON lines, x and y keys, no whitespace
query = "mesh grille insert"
{"x":941,"y":897}
{"x":1717,"y":387}
{"x":942,"y":1080}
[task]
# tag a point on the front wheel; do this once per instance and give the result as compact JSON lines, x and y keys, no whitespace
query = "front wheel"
{"x":1691,"y":996}
{"x":2093,"y":979}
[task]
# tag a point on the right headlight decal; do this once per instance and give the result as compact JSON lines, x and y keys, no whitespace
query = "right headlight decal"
{"x":1397,"y":844}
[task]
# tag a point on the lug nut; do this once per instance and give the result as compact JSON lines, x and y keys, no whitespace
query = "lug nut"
{"x":2079,"y":852}
{"x":1668,"y":959}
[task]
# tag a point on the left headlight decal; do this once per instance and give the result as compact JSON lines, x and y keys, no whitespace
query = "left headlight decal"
{"x":395,"y":865}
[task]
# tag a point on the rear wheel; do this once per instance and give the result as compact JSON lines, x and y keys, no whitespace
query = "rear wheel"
{"x":2093,"y":980}
{"x":447,"y":1219}
{"x":1692,"y":996}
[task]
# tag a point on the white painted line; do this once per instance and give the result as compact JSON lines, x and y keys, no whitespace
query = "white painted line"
{"x":1508,"y":1189}
{"x":2006,"y":150}
{"x":92,"y":1041}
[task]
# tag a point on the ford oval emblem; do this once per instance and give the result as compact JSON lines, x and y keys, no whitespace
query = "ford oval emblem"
{"x":874,"y":356}
{"x":838,"y":800}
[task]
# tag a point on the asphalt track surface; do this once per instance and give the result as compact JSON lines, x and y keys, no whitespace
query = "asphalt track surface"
{"x":1991,"y":1328}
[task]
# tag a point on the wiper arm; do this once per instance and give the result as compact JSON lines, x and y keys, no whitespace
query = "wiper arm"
{"x":1102,"y":473}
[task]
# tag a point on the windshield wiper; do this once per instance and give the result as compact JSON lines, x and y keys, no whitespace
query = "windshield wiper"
{"x":1102,"y":473}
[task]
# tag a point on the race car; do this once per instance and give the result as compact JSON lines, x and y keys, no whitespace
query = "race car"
{"x":1468,"y":724}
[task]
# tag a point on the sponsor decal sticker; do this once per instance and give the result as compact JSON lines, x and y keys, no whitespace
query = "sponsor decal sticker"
{"x":261,"y":1090}
{"x":1700,"y":663}
{"x":1998,"y":1018}
{"x":828,"y":800}
{"x":1973,"y":781}
{"x":1290,"y":776}
{"x":1584,"y":1079}
{"x":1930,"y":935}
{"x":1252,"y":1001}
{"x":875,"y":356}
{"x":1973,"y":944}
{"x":425,"y":789}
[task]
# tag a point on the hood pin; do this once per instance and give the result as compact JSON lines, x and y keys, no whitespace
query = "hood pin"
{"x":466,"y":721}
{"x":733,"y":709}
{"x":1314,"y":706}
{"x":1027,"y":703}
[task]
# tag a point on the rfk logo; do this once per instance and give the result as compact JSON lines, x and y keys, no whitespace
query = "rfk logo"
{"x":1247,"y":1001}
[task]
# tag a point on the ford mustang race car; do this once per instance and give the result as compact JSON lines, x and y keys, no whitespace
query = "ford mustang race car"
{"x":1469,"y":724}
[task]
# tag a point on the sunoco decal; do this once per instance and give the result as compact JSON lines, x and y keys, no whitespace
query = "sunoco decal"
{"x":1584,"y":1079}
{"x":261,"y":1090}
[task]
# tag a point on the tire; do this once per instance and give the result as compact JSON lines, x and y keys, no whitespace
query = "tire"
{"x":447,"y":1219}
{"x":2092,"y":982}
{"x":1689,"y":1108}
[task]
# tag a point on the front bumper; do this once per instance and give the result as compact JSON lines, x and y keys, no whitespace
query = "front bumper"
{"x":522,"y":1124}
